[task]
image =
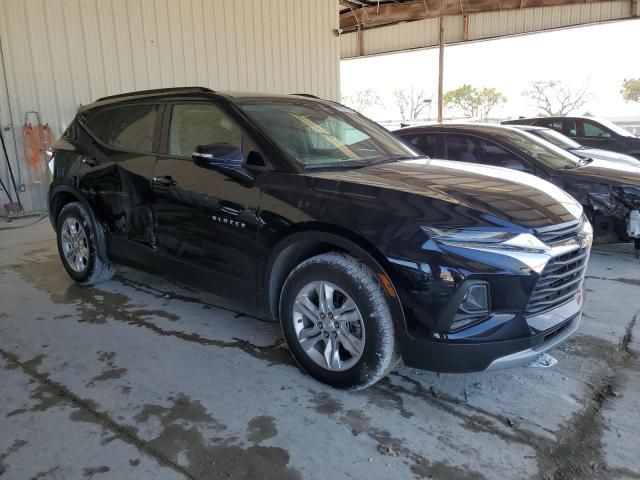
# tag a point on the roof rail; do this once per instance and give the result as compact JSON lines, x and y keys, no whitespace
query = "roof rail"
{"x":306,"y":95}
{"x":156,"y":90}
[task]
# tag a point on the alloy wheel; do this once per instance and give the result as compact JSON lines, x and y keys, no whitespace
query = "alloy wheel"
{"x":75,"y":246}
{"x":328,"y":326}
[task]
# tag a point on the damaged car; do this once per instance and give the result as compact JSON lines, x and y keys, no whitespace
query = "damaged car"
{"x":609,"y":191}
{"x":302,"y":211}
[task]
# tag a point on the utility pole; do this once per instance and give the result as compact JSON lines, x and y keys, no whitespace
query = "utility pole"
{"x":441,"y":66}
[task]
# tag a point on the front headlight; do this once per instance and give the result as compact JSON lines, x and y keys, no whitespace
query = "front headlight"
{"x":483,"y":238}
{"x":468,"y":235}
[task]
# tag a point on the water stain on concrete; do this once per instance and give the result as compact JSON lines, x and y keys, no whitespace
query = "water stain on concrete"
{"x":97,"y":306}
{"x":387,"y":396}
{"x":324,"y":403}
{"x":419,"y":465}
{"x":46,"y":399}
{"x":112,"y":372}
{"x":626,"y":281}
{"x":217,"y":458}
{"x":91,"y":472}
{"x":261,"y":428}
{"x":46,"y":475}
{"x":15,"y":446}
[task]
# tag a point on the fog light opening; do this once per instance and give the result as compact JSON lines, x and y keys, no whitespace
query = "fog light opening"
{"x":473,"y":308}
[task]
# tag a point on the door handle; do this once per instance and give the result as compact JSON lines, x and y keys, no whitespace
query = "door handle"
{"x":165,"y":181}
{"x":92,"y":162}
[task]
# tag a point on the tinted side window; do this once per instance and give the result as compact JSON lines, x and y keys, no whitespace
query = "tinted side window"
{"x":477,"y":150}
{"x":593,"y":130}
{"x":570,"y":128}
{"x":200,"y":124}
{"x":133,"y":128}
{"x":99,"y":123}
{"x":554,"y":124}
{"x":428,"y":143}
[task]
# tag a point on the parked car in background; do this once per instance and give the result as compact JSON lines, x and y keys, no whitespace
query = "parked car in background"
{"x":609,"y":191}
{"x":589,"y":131}
{"x":302,"y":210}
{"x":582,"y":151}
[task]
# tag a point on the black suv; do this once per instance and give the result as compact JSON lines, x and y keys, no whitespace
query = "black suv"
{"x":589,"y":131}
{"x":302,"y":210}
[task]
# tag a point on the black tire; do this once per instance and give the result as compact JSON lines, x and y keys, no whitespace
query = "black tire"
{"x":379,"y":354}
{"x":96,"y":270}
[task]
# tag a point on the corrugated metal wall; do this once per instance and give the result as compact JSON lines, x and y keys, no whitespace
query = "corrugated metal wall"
{"x":59,"y":54}
{"x":424,"y":33}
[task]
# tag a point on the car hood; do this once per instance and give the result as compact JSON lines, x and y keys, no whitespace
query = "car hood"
{"x":606,"y":172}
{"x":597,"y":153}
{"x":495,"y":194}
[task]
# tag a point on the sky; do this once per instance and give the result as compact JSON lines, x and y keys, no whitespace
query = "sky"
{"x":601,"y":56}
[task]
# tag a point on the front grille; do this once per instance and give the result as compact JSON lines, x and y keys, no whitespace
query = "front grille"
{"x":558,"y":233}
{"x":559,"y":282}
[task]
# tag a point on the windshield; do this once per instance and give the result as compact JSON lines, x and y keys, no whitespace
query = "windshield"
{"x":558,"y":139}
{"x":541,"y":150}
{"x":616,"y":128}
{"x":316,"y":134}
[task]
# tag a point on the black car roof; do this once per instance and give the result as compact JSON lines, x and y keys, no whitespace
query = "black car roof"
{"x":201,"y":92}
{"x":459,"y":127}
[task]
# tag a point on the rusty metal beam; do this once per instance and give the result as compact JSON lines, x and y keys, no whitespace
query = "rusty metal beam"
{"x":441,"y":71}
{"x":411,"y":10}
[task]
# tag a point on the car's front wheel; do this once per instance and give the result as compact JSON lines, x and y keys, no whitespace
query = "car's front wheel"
{"x":337,"y":322}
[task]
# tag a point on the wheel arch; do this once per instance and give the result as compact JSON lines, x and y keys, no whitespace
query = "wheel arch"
{"x":314,"y":239}
{"x":63,"y":195}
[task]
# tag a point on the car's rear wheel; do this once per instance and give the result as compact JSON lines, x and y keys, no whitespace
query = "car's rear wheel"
{"x":78,"y":245}
{"x":337,"y":322}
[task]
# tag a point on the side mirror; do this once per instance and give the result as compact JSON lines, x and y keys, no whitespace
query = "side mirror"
{"x":223,"y":158}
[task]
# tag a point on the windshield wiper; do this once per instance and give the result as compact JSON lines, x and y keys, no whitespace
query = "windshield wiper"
{"x":581,"y":163}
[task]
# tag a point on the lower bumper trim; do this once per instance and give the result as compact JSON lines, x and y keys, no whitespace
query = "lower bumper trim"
{"x":525,"y":357}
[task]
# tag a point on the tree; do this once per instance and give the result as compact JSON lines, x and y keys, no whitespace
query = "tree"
{"x":362,"y":100}
{"x":555,"y":98}
{"x":474,"y":102}
{"x":411,"y":102}
{"x":631,"y":90}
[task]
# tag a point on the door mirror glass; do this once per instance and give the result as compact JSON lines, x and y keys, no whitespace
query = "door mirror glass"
{"x":224,"y":158}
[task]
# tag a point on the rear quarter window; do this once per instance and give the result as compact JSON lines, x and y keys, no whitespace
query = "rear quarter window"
{"x":99,"y":122}
{"x":132,"y":128}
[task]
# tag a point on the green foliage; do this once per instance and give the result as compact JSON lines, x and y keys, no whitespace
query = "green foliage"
{"x":474,"y":102}
{"x":631,"y":90}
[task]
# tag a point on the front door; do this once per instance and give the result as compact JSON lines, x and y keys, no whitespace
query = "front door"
{"x":205,"y":221}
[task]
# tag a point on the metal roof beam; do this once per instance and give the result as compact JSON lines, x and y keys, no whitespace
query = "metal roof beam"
{"x":407,"y":11}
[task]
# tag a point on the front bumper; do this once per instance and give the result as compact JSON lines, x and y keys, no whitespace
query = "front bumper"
{"x":448,"y":356}
{"x":525,"y":357}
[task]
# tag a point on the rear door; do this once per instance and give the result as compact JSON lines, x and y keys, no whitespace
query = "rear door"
{"x":429,"y":143}
{"x":206,"y":221}
{"x":473,"y":149}
{"x":596,"y":135}
{"x":116,"y":173}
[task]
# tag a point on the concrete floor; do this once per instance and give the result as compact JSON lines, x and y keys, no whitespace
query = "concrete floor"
{"x":141,"y":378}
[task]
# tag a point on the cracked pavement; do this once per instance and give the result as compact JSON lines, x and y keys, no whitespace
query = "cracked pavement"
{"x":143,"y":378}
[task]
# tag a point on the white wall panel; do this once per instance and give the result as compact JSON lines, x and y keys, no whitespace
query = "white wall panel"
{"x":424,"y":33}
{"x":59,"y":54}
